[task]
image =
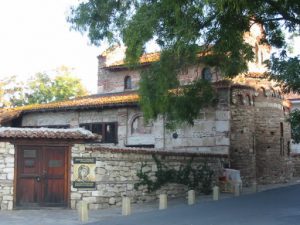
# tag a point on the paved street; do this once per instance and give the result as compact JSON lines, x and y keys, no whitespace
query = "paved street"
{"x":272,"y":207}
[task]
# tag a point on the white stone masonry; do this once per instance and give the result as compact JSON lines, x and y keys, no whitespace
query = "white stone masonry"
{"x":7,"y":159}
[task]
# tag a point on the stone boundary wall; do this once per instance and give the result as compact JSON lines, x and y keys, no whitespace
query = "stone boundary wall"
{"x":7,"y":159}
{"x":116,"y":174}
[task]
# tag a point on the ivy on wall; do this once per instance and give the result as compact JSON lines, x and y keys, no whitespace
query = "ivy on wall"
{"x":196,"y":178}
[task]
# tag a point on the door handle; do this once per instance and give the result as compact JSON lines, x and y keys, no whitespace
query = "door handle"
{"x":38,"y":178}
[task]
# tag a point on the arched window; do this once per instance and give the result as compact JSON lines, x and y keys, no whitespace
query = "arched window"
{"x":138,"y":126}
{"x":273,"y":93}
{"x":263,"y":91}
{"x":127,"y":83}
{"x":206,"y":74}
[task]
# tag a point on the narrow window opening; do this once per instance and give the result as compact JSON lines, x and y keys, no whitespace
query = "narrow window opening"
{"x":281,"y":129}
{"x":261,"y":57}
{"x":127,"y":83}
{"x":256,"y":53}
{"x":249,"y":100}
{"x":281,"y":140}
{"x":206,"y":74}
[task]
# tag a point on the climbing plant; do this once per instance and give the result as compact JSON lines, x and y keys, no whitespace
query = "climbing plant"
{"x":294,"y":119}
{"x":197,"y":178}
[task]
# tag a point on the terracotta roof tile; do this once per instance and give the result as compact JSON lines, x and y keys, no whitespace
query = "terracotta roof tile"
{"x":46,"y":133}
{"x":84,"y":102}
{"x":7,"y":115}
{"x":144,"y":59}
{"x":255,"y":75}
{"x":92,"y":101}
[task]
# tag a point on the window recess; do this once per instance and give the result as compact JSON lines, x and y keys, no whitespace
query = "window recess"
{"x":108,"y":131}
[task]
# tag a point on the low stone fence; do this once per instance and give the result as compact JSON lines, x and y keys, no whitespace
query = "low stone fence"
{"x":116,"y":174}
{"x":7,"y":159}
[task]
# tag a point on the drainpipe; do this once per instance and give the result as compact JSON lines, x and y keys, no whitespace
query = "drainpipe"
{"x":164,"y":133}
{"x":127,"y":123}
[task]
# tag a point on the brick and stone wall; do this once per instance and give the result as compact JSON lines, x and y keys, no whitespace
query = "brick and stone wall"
{"x":272,"y":141}
{"x":116,"y":174}
{"x":296,"y":164}
{"x":208,"y":135}
{"x":7,"y":158}
{"x":260,"y":135}
{"x":242,"y":139}
{"x":111,"y":79}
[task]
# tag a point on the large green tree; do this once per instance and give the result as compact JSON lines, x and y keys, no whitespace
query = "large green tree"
{"x":41,"y":88}
{"x":182,"y":29}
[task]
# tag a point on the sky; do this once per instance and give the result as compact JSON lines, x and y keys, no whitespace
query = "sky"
{"x":35,"y":37}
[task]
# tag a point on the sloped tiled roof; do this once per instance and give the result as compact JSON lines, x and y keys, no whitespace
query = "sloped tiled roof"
{"x":46,"y":133}
{"x":255,"y":75}
{"x":7,"y":115}
{"x":84,"y":102}
{"x":144,"y":60}
{"x":92,"y":101}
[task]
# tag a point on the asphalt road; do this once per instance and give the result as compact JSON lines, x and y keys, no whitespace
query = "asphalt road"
{"x":274,"y":207}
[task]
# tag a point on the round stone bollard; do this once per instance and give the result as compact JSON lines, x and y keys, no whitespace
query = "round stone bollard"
{"x":126,"y":206}
{"x":216,"y":193}
{"x":83,"y":211}
{"x":237,"y":189}
{"x":163,"y":201}
{"x":254,"y":187}
{"x":191,"y":197}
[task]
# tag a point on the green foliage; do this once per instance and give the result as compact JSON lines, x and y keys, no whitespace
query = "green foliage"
{"x":162,"y":94}
{"x":294,"y":119}
{"x":286,"y":72}
{"x":182,"y":29}
{"x":199,"y":178}
{"x":41,"y":88}
{"x":10,"y":89}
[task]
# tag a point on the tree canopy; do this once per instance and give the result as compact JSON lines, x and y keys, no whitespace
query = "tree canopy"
{"x":40,"y":88}
{"x":184,"y":28}
{"x":8,"y":87}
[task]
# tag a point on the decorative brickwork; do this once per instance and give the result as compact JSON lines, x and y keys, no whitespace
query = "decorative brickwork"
{"x":242,"y":138}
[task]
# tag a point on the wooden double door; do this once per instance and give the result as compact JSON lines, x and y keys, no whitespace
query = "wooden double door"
{"x":42,"y":176}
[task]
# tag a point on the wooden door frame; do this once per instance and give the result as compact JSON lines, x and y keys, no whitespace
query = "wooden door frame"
{"x":40,"y":143}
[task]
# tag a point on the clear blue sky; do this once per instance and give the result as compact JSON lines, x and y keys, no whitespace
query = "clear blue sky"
{"x":35,"y":37}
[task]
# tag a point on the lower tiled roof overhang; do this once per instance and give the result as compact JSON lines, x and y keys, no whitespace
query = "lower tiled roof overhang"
{"x":12,"y":133}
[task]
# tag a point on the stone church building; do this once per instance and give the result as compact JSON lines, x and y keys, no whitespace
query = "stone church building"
{"x":46,"y":149}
